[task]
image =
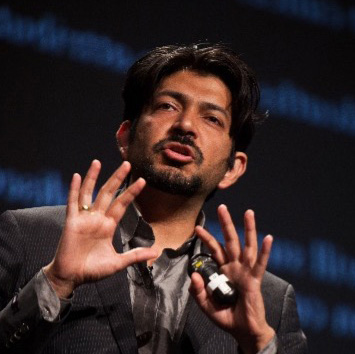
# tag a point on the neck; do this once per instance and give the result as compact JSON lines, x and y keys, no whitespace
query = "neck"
{"x":172,"y":217}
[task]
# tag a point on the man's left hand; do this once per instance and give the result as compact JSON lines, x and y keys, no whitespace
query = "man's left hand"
{"x":245,"y":268}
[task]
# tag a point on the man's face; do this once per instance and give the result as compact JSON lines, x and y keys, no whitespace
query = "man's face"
{"x":181,"y":143}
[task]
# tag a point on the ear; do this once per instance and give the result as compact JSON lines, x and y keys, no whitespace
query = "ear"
{"x":122,"y":136}
{"x":232,"y":175}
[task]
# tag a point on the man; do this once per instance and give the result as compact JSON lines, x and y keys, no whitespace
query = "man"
{"x":88,"y":286}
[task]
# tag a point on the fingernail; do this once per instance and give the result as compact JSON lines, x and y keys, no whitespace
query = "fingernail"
{"x":126,"y":164}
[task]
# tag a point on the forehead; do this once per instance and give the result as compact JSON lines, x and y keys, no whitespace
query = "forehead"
{"x":197,"y":87}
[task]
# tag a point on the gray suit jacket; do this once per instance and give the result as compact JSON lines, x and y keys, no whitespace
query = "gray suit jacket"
{"x":100,"y":319}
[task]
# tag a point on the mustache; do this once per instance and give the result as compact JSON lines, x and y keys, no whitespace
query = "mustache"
{"x":184,"y":140}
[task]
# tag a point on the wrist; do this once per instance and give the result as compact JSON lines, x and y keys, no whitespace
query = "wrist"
{"x":253,"y":343}
{"x":62,"y":287}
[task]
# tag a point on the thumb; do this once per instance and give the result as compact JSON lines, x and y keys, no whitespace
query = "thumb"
{"x":198,"y":291}
{"x":136,"y":255}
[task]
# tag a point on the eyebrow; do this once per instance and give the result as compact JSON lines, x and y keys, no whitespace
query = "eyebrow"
{"x":184,"y":99}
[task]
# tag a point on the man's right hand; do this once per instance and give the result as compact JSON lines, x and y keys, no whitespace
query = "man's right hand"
{"x":85,"y":251}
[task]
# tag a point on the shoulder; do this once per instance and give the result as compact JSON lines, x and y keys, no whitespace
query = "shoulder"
{"x":45,"y":212}
{"x":282,"y":315}
{"x":35,"y":231}
{"x":33,"y":218}
{"x":272,"y":283}
{"x":276,"y":292}
{"x":34,"y":226}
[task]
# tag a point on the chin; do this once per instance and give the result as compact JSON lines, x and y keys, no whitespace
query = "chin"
{"x":171,"y":179}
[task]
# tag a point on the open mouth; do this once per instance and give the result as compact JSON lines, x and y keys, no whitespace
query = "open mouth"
{"x":178,"y":152}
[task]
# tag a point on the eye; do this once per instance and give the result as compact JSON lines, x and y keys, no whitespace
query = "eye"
{"x":214,"y":120}
{"x":165,"y":106}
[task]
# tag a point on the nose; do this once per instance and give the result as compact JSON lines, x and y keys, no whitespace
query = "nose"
{"x":185,"y":123}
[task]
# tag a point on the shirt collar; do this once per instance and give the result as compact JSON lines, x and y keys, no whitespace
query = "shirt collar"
{"x":133,"y":220}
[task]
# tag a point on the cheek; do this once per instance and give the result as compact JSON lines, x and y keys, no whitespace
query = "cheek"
{"x":148,"y":128}
{"x":143,"y":132}
{"x":146,"y":137}
{"x":154,"y":132}
{"x":217,"y":150}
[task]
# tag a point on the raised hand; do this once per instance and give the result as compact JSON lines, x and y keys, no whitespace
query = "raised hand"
{"x":245,"y":268}
{"x":85,"y":252}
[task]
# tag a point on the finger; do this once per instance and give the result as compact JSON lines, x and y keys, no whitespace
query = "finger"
{"x":87,"y":188}
{"x":136,"y":255}
{"x":263,"y":257}
{"x":199,"y":292}
{"x":217,"y":251}
{"x":120,"y":204}
{"x":232,"y":242}
{"x":73,"y":195}
{"x":108,"y":190}
{"x":251,"y":243}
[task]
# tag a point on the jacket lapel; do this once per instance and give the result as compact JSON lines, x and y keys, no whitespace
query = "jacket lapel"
{"x":115,"y":297}
{"x":194,"y":334}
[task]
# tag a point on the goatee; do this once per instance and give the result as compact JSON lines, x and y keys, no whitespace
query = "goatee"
{"x":169,"y":181}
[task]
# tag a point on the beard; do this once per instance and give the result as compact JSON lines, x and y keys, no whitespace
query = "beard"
{"x":170,"y":180}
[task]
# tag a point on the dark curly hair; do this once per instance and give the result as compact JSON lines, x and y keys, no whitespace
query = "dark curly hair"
{"x":145,"y":75}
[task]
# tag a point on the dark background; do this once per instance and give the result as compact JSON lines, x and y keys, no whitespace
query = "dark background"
{"x":61,"y":74}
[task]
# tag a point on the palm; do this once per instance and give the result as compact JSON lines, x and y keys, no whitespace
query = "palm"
{"x":244,"y":268}
{"x":94,"y":254}
{"x":85,"y":252}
